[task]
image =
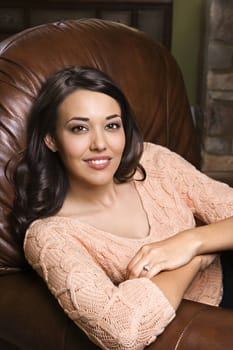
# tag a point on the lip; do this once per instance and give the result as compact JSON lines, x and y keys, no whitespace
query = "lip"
{"x":98,"y":163}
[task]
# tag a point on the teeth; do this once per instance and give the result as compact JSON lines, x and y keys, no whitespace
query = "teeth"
{"x":99,"y":161}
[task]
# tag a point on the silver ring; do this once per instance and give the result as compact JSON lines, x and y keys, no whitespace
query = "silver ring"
{"x":146,"y":267}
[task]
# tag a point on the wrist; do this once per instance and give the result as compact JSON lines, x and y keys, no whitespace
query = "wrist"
{"x":197,"y":261}
{"x":193,"y":242}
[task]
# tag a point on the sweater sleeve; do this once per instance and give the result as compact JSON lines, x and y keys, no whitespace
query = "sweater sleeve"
{"x":128,"y":316}
{"x":210,"y":200}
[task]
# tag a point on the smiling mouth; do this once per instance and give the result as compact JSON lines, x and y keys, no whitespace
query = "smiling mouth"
{"x":99,"y":164}
{"x":98,"y":161}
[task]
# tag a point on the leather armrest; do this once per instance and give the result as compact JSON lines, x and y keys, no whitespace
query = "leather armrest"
{"x":197,"y":327}
{"x":32,"y":319}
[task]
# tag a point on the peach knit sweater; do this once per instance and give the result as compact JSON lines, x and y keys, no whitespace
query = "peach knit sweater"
{"x":85,"y":268}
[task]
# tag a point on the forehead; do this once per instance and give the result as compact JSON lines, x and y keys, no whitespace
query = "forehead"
{"x":88,"y":103}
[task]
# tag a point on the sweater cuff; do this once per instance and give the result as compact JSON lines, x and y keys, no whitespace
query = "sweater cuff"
{"x":153,"y":308}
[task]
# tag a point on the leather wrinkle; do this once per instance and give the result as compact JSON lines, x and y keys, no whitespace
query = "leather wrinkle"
{"x":28,"y":90}
{"x":186,"y":328}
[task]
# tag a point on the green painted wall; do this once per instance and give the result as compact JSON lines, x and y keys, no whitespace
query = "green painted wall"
{"x":186,"y":40}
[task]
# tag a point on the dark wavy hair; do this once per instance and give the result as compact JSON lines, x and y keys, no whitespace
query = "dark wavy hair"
{"x":40,"y":179}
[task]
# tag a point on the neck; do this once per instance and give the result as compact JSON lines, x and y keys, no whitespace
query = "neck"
{"x":103,"y":196}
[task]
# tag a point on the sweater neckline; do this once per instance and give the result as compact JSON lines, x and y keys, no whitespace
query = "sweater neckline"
{"x":139,"y":188}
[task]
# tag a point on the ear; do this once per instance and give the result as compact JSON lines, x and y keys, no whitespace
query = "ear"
{"x":50,"y":143}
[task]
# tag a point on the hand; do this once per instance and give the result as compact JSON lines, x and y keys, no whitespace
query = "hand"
{"x":168,"y":254}
{"x":206,"y":260}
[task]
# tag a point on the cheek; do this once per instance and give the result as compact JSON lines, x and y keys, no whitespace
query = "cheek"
{"x":122,"y":142}
{"x":119,"y":143}
{"x":72,"y":147}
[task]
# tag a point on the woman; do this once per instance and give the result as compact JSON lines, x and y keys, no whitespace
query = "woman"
{"x":109,"y":221}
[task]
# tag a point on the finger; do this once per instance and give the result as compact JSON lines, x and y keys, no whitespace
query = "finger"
{"x":135,"y":265}
{"x":144,"y":268}
{"x":135,"y":271}
{"x":155,"y":270}
{"x":140,"y":268}
{"x":134,"y":262}
{"x":137,"y":257}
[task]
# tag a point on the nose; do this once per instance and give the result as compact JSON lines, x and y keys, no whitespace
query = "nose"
{"x":98,"y":141}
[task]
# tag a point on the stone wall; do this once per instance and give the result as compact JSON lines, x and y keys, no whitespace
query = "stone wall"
{"x":217,"y":90}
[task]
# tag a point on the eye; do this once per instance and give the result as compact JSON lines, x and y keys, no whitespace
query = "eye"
{"x":113,"y":126}
{"x":78,"y":128}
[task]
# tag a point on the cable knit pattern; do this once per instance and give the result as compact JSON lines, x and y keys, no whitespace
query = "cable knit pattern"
{"x":85,"y":268}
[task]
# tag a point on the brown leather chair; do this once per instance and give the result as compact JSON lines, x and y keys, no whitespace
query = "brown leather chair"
{"x":30,"y":318}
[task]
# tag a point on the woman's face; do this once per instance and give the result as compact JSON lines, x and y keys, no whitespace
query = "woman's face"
{"x":89,"y":138}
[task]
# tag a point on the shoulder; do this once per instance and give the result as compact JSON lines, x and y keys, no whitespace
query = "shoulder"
{"x":151,"y":150}
{"x":43,"y":231}
{"x":50,"y":237}
{"x":45,"y":224}
{"x":160,"y":157}
{"x":161,"y":163}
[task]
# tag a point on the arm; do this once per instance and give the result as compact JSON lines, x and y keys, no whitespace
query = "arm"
{"x":174,"y":283}
{"x":214,"y":237}
{"x":128,"y":316}
{"x":170,"y":253}
{"x":209,"y":200}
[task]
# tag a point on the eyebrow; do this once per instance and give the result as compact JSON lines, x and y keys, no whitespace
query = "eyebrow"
{"x":83,"y":119}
